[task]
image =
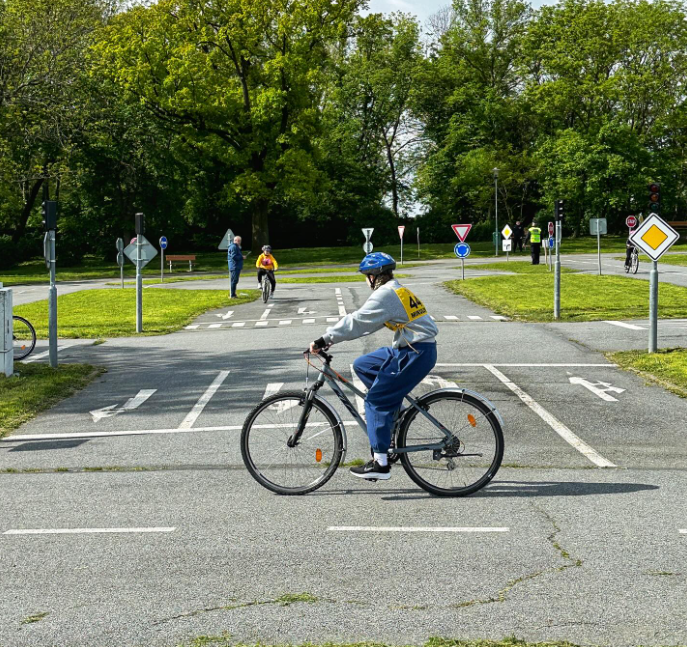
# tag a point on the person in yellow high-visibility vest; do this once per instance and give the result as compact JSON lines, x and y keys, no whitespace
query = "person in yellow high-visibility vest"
{"x":534,"y":236}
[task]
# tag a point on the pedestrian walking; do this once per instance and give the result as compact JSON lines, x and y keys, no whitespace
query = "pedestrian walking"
{"x":534,"y":235}
{"x":518,"y":235}
{"x":235,"y":259}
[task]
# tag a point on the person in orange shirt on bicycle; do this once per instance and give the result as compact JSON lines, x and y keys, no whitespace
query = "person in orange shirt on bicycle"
{"x":266,"y":265}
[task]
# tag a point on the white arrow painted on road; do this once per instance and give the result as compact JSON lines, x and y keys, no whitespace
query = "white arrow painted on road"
{"x":305,"y":311}
{"x":228,"y":315}
{"x":129,"y":405}
{"x":598,"y":388}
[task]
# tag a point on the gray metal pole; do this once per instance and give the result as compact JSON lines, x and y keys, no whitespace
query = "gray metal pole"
{"x":462,"y":262}
{"x":139,"y":287}
{"x":598,"y":246}
{"x":557,"y":276}
{"x":653,"y":308}
{"x":52,"y":306}
{"x":496,"y":211}
{"x":418,"y":242}
{"x":121,"y":274}
{"x":162,"y":265}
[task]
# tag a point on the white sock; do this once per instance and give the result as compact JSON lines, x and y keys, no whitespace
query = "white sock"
{"x":382,"y":459}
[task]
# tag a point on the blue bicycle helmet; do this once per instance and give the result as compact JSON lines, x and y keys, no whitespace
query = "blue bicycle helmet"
{"x":376,"y":263}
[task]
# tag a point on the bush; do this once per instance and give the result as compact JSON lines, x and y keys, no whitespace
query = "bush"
{"x":8,"y":252}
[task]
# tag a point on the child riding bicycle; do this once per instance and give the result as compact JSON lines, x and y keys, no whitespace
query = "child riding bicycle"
{"x":266,"y":265}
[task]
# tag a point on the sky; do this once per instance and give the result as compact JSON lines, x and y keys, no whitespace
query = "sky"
{"x":421,"y":8}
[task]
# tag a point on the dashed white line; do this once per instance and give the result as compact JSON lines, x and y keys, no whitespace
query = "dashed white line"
{"x":308,"y":321}
{"x":415,"y":529}
{"x":215,"y":325}
{"x":193,"y":327}
{"x":238,"y":324}
{"x":553,"y":422}
{"x":266,"y":314}
{"x":259,"y":324}
{"x":286,"y":322}
{"x":272,"y":389}
{"x":81,"y":531}
{"x":332,"y":319}
{"x":474,"y":317}
{"x":450,"y":317}
{"x":499,"y":317}
{"x":198,"y":407}
{"x":339,"y":299}
{"x":35,"y":358}
{"x":622,"y":324}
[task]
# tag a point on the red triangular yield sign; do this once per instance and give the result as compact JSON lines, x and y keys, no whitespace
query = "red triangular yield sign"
{"x":462,"y":231}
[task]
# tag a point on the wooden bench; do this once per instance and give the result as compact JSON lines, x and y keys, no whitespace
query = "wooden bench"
{"x":181,"y":257}
{"x":678,"y":224}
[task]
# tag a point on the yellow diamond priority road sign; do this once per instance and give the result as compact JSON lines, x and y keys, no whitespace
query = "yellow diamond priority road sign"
{"x":507,"y":232}
{"x":654,"y":237}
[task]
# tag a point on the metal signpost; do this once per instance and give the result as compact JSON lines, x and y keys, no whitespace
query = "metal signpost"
{"x":6,"y":344}
{"x":368,"y":247}
{"x":462,"y":251}
{"x":49,"y":212}
{"x":418,"y":243}
{"x":140,"y":252}
{"x":597,"y":226}
{"x":654,"y":237}
{"x":558,"y":211}
{"x":507,"y":232}
{"x":120,"y":259}
{"x":227,"y":240}
{"x":163,"y":247}
{"x":401,"y":229}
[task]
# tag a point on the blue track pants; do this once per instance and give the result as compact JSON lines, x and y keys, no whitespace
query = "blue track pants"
{"x":389,"y":375}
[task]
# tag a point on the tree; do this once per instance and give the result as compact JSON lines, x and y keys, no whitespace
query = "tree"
{"x":243,"y":79}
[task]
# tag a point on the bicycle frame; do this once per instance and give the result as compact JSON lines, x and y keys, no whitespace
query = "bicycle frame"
{"x":329,"y":376}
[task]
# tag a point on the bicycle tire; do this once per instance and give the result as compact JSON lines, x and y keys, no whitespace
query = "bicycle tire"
{"x":258,"y":474}
{"x":23,"y":350}
{"x":266,"y":289}
{"x":472,"y":403}
{"x":635,"y":263}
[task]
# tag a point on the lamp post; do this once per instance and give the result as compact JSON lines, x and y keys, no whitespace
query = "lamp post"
{"x":496,"y":208}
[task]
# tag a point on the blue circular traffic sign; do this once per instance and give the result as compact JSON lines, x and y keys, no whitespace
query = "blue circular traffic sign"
{"x":163,"y":242}
{"x":462,"y":250}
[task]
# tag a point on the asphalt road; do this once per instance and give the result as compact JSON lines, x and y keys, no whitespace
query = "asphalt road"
{"x":556,"y":548}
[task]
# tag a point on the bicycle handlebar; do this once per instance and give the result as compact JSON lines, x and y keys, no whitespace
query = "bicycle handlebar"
{"x":322,"y":353}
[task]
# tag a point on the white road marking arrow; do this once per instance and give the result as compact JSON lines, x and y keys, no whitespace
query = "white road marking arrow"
{"x":596,"y":390}
{"x":228,"y":315}
{"x":129,"y":405}
{"x":305,"y":311}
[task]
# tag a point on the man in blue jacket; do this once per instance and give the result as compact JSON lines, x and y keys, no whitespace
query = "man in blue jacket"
{"x":235,"y":258}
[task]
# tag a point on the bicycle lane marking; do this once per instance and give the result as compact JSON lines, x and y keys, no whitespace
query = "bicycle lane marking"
{"x":416,"y":529}
{"x":35,"y":358}
{"x":198,"y":407}
{"x":563,"y":431}
{"x":340,"y":302}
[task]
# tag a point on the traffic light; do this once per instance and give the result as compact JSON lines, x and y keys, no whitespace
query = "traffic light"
{"x":140,"y":224}
{"x":558,"y":210}
{"x":655,"y":198}
{"x":49,"y":213}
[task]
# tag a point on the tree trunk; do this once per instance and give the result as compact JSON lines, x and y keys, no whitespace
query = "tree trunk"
{"x":26,"y":211}
{"x":260,"y":226}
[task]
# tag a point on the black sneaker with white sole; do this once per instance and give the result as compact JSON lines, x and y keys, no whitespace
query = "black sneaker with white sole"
{"x":372,"y":471}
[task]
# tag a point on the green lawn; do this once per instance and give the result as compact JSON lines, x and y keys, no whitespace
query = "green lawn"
{"x":667,"y":367}
{"x":584,"y":297}
{"x":112,"y":313}
{"x":516,"y":267}
{"x":36,"y":387}
{"x":34,"y":271}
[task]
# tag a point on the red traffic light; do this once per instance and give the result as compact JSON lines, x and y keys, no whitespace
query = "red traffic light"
{"x":654,"y":187}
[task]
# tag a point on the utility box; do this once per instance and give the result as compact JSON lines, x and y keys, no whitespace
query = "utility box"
{"x":6,"y":344}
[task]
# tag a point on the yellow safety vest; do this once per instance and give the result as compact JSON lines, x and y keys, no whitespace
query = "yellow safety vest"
{"x":535,"y":235}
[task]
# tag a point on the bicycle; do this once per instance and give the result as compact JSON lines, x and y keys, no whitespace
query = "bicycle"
{"x":23,"y":337}
{"x":634,"y":262}
{"x":293,"y":442}
{"x":267,"y":286}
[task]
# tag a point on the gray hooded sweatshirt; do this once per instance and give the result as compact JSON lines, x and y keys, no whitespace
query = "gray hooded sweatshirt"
{"x":390,"y":305}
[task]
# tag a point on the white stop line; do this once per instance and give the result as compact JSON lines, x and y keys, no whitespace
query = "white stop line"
{"x":413,"y":529}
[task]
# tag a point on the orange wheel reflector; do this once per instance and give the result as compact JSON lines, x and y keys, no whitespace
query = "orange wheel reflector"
{"x":318,"y":455}
{"x":471,"y":420}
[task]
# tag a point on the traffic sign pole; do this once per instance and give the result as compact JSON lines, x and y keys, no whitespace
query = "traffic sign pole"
{"x":139,"y":286}
{"x":557,"y":275}
{"x":418,"y":243}
{"x":653,"y":308}
{"x":462,"y":263}
{"x":52,"y":305}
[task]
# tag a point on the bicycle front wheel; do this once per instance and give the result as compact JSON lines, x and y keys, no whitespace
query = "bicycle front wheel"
{"x":266,"y":289}
{"x":465,"y":465}
{"x":291,"y":470}
{"x":635,"y":263}
{"x":23,"y":338}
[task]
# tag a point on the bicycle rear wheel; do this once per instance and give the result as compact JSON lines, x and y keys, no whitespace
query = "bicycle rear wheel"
{"x":475,"y":455}
{"x":291,"y":470}
{"x":23,"y":338}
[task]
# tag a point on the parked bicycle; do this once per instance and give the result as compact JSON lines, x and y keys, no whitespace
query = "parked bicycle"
{"x":23,"y":337}
{"x":449,"y":441}
{"x":634,"y":262}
